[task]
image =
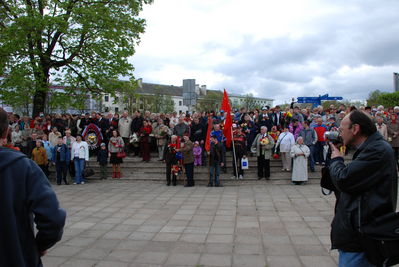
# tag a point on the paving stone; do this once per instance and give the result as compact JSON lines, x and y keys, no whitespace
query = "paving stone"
{"x":122,"y":255}
{"x":248,"y":249}
{"x":53,"y":261}
{"x":166,"y":237}
{"x":129,"y":223}
{"x":216,"y":259}
{"x":151,"y":257}
{"x":193,"y":238}
{"x":214,"y":238}
{"x":249,"y":260}
{"x":180,"y":259}
{"x":320,"y":261}
{"x":79,"y":263}
{"x":286,"y":261}
{"x":112,"y":264}
{"x":141,"y":236}
{"x":214,"y":248}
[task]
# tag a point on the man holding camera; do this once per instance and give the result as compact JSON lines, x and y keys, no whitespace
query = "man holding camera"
{"x":369,"y":182}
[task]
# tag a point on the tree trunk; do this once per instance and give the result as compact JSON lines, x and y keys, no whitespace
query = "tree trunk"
{"x":42,"y":89}
{"x":39,"y":102}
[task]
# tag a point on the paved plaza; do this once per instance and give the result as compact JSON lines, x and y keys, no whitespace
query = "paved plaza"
{"x":130,"y":223}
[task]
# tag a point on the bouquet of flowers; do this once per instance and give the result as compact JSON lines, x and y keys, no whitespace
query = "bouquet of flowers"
{"x":176,"y":169}
{"x":274,"y":135}
{"x":244,"y":126}
{"x":264,"y":141}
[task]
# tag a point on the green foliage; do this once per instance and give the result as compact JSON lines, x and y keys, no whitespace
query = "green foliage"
{"x":81,"y":44}
{"x":159,"y":103}
{"x":373,"y":99}
{"x":211,"y":101}
{"x":389,"y":99}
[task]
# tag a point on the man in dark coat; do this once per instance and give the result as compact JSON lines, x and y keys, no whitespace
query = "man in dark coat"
{"x":136,"y":125}
{"x":27,"y":199}
{"x":369,"y":181}
{"x":215,"y":161}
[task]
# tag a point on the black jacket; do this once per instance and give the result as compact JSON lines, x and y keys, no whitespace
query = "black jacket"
{"x":216,"y":154}
{"x":136,"y":125}
{"x":198,"y":132}
{"x":102,"y":156}
{"x":26,"y":197}
{"x":372,"y":175}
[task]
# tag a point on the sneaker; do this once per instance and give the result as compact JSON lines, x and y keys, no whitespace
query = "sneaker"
{"x":209,"y":185}
{"x":240,"y":177}
{"x":82,"y":182}
{"x":74,"y":183}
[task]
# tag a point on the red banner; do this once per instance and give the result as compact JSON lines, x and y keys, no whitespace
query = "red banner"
{"x":227,"y":122}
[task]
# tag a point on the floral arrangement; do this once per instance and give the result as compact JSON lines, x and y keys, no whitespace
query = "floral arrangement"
{"x":264,"y":141}
{"x":274,"y":135}
{"x":176,"y":169}
{"x":244,"y":126}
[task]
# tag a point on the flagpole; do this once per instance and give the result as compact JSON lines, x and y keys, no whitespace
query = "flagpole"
{"x":234,"y":152}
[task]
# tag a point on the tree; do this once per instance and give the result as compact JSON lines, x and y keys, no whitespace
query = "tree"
{"x":389,"y":99}
{"x":249,"y":102}
{"x":81,"y":44}
{"x":211,"y":101}
{"x":373,"y":99}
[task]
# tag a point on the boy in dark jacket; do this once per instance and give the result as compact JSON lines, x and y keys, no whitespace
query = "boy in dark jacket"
{"x":27,"y":199}
{"x":102,"y":159}
{"x":60,"y":156}
{"x":215,"y":161}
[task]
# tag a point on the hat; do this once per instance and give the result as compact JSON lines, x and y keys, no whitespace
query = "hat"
{"x":102,"y":144}
{"x":264,"y":108}
{"x":222,"y":111}
{"x":234,"y":125}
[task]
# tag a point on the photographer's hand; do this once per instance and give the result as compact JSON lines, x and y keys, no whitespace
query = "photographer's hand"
{"x":335,"y":153}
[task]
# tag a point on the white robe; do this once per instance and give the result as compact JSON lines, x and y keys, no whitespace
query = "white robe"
{"x":300,"y":169}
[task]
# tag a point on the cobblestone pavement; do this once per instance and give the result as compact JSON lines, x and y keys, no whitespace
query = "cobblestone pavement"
{"x":128,"y":223}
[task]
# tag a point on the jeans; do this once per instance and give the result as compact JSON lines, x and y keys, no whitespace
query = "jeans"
{"x":311,"y":157}
{"x":215,"y":172}
{"x":353,"y":259}
{"x":79,"y":166}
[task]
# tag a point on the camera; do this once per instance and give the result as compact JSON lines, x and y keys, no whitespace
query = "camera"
{"x":333,"y":137}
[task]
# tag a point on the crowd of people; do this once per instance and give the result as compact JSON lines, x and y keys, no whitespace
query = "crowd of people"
{"x":295,"y":135}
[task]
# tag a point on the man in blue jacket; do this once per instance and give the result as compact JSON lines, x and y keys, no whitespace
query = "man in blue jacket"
{"x":27,"y":199}
{"x":60,"y":157}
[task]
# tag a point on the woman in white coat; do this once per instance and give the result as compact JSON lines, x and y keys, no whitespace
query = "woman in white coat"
{"x":286,"y":141}
{"x":300,"y":153}
{"x":79,"y":155}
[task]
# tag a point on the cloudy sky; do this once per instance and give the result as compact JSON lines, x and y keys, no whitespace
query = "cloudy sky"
{"x":275,"y":49}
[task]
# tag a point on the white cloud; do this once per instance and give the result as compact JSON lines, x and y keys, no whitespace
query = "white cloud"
{"x":275,"y":49}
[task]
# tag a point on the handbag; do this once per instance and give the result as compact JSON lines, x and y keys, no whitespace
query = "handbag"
{"x":380,"y":238}
{"x":121,"y":154}
{"x":326,"y":182}
{"x":87,"y":172}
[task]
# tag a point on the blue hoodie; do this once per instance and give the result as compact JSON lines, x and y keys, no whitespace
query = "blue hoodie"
{"x":26,"y":198}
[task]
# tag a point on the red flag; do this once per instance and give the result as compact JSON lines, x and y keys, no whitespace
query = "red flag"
{"x":208,"y":134}
{"x":227,"y":122}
